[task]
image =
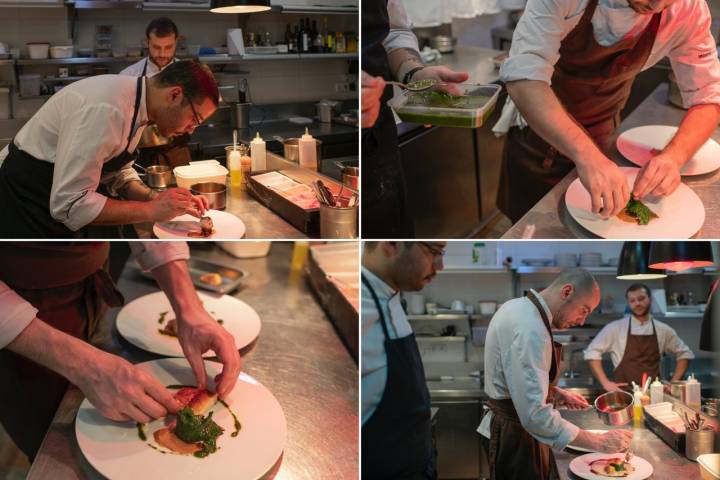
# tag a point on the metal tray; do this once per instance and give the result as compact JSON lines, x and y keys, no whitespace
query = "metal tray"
{"x":231,"y":277}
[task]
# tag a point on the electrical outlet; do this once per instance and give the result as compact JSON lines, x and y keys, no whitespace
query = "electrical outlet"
{"x":342,"y":87}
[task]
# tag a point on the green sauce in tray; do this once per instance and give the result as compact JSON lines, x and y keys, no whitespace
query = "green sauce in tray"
{"x":430,"y":108}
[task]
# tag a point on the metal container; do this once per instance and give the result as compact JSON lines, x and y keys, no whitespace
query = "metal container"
{"x":350,"y":177}
{"x":443,"y":43}
{"x":326,"y":110}
{"x":338,"y":222}
{"x":614,"y":408}
{"x":157,"y":176}
{"x":216,"y":193}
{"x":699,"y":442}
{"x":240,"y":113}
{"x":291,"y":149}
{"x":678,"y":390}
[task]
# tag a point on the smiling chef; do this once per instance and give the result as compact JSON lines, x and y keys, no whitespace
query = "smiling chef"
{"x":569,"y":73}
{"x":69,"y":169}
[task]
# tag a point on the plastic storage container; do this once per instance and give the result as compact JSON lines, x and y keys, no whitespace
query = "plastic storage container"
{"x":38,"y":50}
{"x":709,"y":466}
{"x":203,"y":171}
{"x":62,"y":51}
{"x":30,"y":85}
{"x":431,"y":107}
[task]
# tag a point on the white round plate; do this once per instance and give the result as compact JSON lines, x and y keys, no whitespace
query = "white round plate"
{"x":640,"y":144}
{"x":115,"y":450}
{"x":138,"y":322}
{"x":580,"y":466}
{"x":226,"y":225}
{"x":680,"y":214}
{"x":583,"y":449}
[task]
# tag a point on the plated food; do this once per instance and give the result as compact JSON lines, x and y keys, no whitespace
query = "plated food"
{"x":601,"y":466}
{"x":679,"y":215}
{"x":612,"y":467}
{"x":148,"y":322}
{"x":636,"y":212}
{"x":215,"y":225}
{"x":640,"y":144}
{"x":117,"y":449}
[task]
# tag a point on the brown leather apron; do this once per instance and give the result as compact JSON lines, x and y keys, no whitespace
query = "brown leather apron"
{"x":593,"y":84}
{"x":513,"y":453}
{"x":642,"y":355}
{"x":69,"y":286}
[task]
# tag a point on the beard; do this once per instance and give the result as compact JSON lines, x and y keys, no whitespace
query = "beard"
{"x":640,"y":312}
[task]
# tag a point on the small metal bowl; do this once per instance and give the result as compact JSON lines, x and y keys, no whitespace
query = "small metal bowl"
{"x":614,"y":408}
{"x":216,"y":193}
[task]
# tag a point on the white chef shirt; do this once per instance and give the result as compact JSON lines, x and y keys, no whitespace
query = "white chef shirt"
{"x":612,"y":339}
{"x":400,"y":34}
{"x":374,"y":358}
{"x":518,"y":357}
{"x":684,"y":36}
{"x":79,"y":129}
{"x":136,"y":69}
{"x":16,"y":313}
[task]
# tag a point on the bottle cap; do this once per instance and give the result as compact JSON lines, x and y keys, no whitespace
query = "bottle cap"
{"x":306,"y":136}
{"x":258,"y":138}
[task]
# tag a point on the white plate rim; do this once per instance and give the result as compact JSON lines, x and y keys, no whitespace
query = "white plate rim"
{"x":638,"y":462}
{"x":163,"y":233}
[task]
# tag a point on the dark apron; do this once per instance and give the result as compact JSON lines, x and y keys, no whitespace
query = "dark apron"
{"x":175,"y":154}
{"x":642,"y":355}
{"x":397,"y":439}
{"x":514,"y":454}
{"x":385,"y":210}
{"x":593,"y":84}
{"x":711,"y":315}
{"x":68,"y":285}
{"x":25,"y":185}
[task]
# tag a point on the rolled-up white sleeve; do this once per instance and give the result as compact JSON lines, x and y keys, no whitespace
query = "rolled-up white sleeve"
{"x":536,"y":41}
{"x":151,"y":255}
{"x":16,"y":313}
{"x":86,"y":140}
{"x":695,"y":62}
{"x":116,"y":181}
{"x":400,"y":34}
{"x":674,"y":345}
{"x":602,"y":343}
{"x":525,"y":367}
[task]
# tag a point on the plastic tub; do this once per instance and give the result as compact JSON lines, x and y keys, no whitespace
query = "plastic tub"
{"x":38,"y":50}
{"x":432,"y":107}
{"x":709,"y":466}
{"x":198,"y":172}
{"x":62,"y":51}
{"x":30,"y":85}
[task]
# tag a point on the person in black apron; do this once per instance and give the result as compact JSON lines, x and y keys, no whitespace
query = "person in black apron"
{"x":397,"y":439}
{"x":711,"y":317}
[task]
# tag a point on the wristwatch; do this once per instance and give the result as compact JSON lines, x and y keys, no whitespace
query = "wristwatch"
{"x":410,"y":73}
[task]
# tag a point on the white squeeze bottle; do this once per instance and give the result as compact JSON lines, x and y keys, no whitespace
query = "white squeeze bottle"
{"x":693,"y":391}
{"x":308,"y":151}
{"x":257,"y":152}
{"x":656,"y":391}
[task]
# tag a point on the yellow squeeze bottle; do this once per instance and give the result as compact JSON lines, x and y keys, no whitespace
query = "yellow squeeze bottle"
{"x":637,"y":407}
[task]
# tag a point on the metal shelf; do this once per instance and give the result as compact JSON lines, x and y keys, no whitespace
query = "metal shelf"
{"x":249,"y":57}
{"x":77,"y":60}
{"x":7,"y":62}
{"x":523,"y":270}
{"x":64,"y":79}
{"x":484,"y":269}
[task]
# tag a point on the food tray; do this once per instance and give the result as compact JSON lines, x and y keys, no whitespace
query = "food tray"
{"x":675,"y":440}
{"x":231,"y":277}
{"x":435,"y":107}
{"x":307,"y":221}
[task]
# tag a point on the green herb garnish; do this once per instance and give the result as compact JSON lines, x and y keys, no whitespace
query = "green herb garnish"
{"x":193,"y":428}
{"x":638,"y":210}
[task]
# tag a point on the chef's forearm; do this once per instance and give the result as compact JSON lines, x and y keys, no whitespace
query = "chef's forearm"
{"x":546,"y":116}
{"x":62,"y":353}
{"x":697,"y":126}
{"x":174,"y":279}
{"x":597,"y":370}
{"x":123,"y":212}
{"x":680,"y":368}
{"x":137,"y":190}
{"x":402,"y":60}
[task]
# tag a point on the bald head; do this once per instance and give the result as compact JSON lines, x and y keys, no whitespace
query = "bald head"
{"x":571,"y":297}
{"x":579,"y":278}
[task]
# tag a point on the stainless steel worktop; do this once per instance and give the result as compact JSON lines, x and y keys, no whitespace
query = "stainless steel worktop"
{"x":550,"y":215}
{"x":298,"y":356}
{"x":667,"y":464}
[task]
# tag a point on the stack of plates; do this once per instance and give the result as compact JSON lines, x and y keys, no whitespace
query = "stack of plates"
{"x":566,"y":260}
{"x":590,"y":259}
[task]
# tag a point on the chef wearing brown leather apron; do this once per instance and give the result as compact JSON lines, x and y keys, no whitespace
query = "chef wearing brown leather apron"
{"x":593,"y":84}
{"x":512,"y":452}
{"x":69,"y":286}
{"x":642,"y":355}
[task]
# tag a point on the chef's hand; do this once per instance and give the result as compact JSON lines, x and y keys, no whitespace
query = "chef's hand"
{"x":198,"y":332}
{"x":372,"y":90}
{"x":442,"y":74}
{"x":171,"y":203}
{"x":200,"y":205}
{"x":121,"y":391}
{"x":609,"y":191}
{"x":610,"y":386}
{"x":572,"y":401}
{"x":614,"y":441}
{"x":660,"y":176}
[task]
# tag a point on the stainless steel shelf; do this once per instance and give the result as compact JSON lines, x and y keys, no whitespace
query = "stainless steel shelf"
{"x":480,"y":270}
{"x":77,"y":60}
{"x":554,"y":270}
{"x":249,"y":57}
{"x":440,"y":316}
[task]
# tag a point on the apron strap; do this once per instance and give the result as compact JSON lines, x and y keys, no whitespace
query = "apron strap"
{"x":121,"y":160}
{"x":546,"y":321}
{"x":366,"y":282}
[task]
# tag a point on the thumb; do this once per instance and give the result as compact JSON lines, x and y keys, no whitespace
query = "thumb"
{"x":448,"y":75}
{"x":197,"y":364}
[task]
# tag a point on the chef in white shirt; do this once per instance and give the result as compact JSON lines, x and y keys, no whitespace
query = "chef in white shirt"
{"x":52,"y":297}
{"x":70,"y":166}
{"x":636,"y":344}
{"x":161,"y":36}
{"x":396,"y":430}
{"x":569,"y":73}
{"x":521,"y":370}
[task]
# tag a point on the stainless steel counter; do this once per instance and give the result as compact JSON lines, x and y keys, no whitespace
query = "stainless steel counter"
{"x":550,"y":215}
{"x":667,"y":464}
{"x":298,"y":356}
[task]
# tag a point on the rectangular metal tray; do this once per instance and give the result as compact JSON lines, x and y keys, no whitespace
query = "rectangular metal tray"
{"x":676,"y":441}
{"x":231,"y":277}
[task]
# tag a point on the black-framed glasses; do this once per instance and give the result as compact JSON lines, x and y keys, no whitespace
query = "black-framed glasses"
{"x":195,"y":114}
{"x":436,"y":252}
